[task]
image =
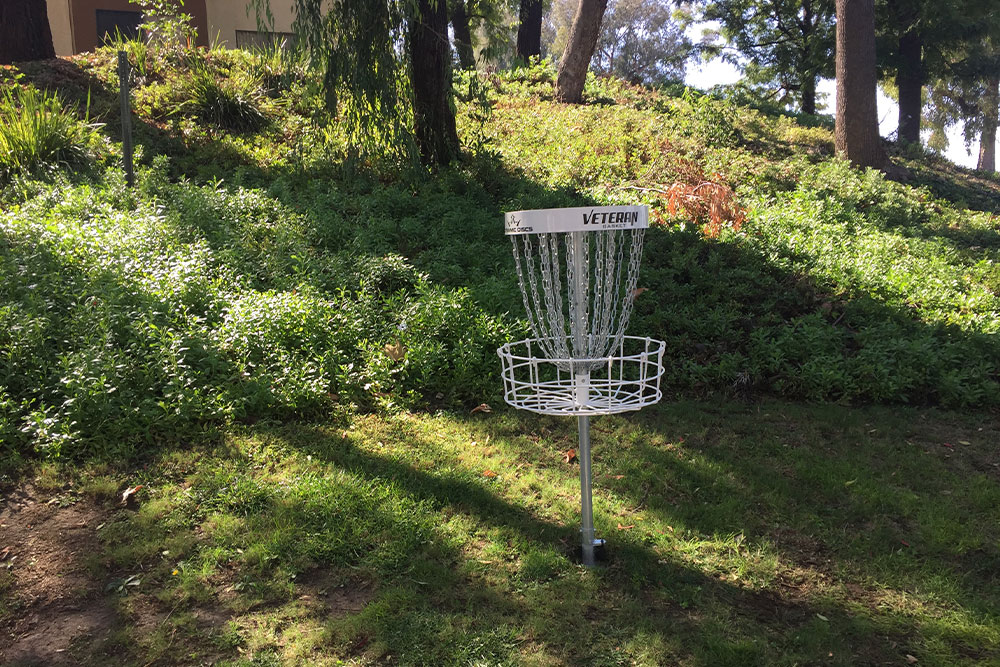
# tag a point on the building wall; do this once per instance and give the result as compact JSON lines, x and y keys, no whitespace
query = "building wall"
{"x":74,"y":22}
{"x":61,"y":24}
{"x":84,"y":18}
{"x":225,"y":17}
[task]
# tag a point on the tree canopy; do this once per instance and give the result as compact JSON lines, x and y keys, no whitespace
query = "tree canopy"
{"x":784,"y":44}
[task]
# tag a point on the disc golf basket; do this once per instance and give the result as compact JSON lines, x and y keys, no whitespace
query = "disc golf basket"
{"x":577,"y":269}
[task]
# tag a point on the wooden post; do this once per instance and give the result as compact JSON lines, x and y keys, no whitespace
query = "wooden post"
{"x":124,"y":84}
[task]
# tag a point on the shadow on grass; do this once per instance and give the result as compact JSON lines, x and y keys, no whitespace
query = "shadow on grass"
{"x":643,"y":594}
{"x":869,"y":515}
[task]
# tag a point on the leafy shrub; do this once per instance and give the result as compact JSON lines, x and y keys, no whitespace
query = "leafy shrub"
{"x":128,"y":316}
{"x":231,"y":103}
{"x":37,"y":133}
{"x":138,"y":52}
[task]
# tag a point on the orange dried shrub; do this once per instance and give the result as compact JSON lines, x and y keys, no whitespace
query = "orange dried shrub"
{"x":708,"y":203}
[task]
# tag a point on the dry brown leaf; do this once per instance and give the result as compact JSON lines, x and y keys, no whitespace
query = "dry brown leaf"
{"x":482,"y":407}
{"x":618,"y":476}
{"x":569,"y":456}
{"x":129,"y":494}
{"x":395,"y":351}
{"x":638,"y":291}
{"x":489,"y":473}
{"x":628,"y":527}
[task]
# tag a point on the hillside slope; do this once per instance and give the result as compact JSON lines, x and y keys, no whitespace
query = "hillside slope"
{"x":271,"y":276}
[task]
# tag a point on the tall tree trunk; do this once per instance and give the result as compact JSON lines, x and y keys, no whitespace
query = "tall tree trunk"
{"x":857,"y":115}
{"x":808,"y":79}
{"x":433,"y":118}
{"x":809,"y":94}
{"x":910,"y":84}
{"x":988,"y":140}
{"x":579,"y":50}
{"x":463,"y":36}
{"x":529,"y":31}
{"x":24,"y":31}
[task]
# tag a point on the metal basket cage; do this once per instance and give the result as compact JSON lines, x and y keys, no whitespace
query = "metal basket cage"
{"x":627,"y":380}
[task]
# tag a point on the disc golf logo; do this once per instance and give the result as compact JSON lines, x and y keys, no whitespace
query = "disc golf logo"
{"x":516,"y":226}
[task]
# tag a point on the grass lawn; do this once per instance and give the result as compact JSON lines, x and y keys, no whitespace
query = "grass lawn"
{"x":739,"y":534}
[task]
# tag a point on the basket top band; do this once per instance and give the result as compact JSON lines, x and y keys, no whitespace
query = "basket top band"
{"x":581,"y":219}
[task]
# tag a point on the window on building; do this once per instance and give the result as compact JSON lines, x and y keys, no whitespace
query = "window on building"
{"x":112,"y":22}
{"x":262,"y":39}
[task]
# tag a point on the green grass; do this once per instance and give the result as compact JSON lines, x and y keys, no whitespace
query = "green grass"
{"x":754,"y":533}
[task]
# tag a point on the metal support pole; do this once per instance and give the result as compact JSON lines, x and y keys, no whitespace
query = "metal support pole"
{"x":579,"y":331}
{"x":586,"y":496}
{"x":124,"y":83}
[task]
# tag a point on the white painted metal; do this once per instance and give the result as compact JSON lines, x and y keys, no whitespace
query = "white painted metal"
{"x":580,"y":362}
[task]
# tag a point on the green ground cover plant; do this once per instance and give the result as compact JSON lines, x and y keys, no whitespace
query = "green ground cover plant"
{"x":251,"y":294}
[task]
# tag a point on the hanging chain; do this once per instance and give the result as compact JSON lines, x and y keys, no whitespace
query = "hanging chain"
{"x":606,"y":293}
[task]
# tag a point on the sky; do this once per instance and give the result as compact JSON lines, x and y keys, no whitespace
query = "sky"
{"x":705,"y":75}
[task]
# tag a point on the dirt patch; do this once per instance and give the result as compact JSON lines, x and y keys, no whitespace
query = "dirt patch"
{"x":57,"y":608}
{"x":330,"y":596}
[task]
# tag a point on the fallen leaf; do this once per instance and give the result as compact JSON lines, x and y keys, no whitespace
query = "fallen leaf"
{"x":569,"y":456}
{"x":948,"y":445}
{"x":395,"y":351}
{"x":849,"y":482}
{"x":910,"y":659}
{"x":637,"y":292}
{"x":4,"y":554}
{"x":482,"y":407}
{"x":489,"y":473}
{"x":621,"y":527}
{"x":618,"y":476}
{"x":964,"y":442}
{"x":822,"y":617}
{"x":904,"y":543}
{"x":129,"y":494}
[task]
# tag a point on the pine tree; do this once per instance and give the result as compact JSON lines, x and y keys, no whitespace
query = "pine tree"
{"x":463,"y":35}
{"x":579,"y":50}
{"x":529,"y":30}
{"x":857,"y":134}
{"x":915,"y":38}
{"x":24,"y":31}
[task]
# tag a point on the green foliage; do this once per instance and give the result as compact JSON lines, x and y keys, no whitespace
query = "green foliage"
{"x":784,"y":44}
{"x":187,"y":306}
{"x":166,"y":27}
{"x":129,"y":316}
{"x":38,"y":133}
{"x":232,"y":103}
{"x":138,"y":50}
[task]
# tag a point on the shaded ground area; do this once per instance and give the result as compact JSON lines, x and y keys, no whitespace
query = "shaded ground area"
{"x":55,"y":607}
{"x":740,"y":533}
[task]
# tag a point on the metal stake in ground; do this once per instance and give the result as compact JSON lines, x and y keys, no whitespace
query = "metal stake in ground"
{"x":580,"y":362}
{"x":124,"y":86}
